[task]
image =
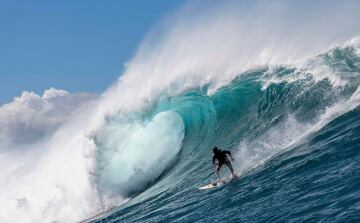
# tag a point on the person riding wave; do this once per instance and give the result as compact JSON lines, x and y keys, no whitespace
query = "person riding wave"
{"x":219,"y":158}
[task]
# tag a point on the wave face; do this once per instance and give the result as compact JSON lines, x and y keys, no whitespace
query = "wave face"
{"x":295,"y":139}
{"x":271,"y":82}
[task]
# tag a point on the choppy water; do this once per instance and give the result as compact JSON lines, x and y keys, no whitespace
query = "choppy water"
{"x":276,"y":84}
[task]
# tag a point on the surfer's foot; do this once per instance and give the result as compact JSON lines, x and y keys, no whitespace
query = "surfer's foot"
{"x":233,"y":176}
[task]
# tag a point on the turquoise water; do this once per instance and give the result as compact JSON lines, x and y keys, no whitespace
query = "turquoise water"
{"x":295,"y":140}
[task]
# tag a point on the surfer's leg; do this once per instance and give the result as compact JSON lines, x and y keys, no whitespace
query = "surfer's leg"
{"x":228,"y":163}
{"x":218,"y":167}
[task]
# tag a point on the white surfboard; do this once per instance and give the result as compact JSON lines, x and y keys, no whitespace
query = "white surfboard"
{"x":212,"y":185}
{"x":217,"y":184}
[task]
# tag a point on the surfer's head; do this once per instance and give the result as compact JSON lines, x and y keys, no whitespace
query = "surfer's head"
{"x":215,"y":150}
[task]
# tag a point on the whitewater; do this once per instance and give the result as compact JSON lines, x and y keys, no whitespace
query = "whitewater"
{"x":277,"y":83}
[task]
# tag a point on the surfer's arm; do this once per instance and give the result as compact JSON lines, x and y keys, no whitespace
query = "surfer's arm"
{"x":215,"y":161}
{"x":229,"y":154}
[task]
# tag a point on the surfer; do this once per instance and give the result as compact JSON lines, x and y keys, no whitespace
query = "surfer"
{"x":219,"y":158}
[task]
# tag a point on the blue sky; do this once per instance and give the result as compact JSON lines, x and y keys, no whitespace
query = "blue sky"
{"x":73,"y":45}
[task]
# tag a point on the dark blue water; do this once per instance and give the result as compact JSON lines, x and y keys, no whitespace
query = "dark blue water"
{"x":296,"y":141}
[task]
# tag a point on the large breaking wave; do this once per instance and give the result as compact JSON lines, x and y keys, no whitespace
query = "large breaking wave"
{"x":253,"y":83}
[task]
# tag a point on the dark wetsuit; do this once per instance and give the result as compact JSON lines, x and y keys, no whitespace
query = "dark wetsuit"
{"x":221,"y":157}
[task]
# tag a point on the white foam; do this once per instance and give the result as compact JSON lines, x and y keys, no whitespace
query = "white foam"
{"x":53,"y":180}
{"x":44,"y":173}
{"x":287,"y":134}
{"x":276,"y":139}
{"x":136,"y":154}
{"x":214,"y":46}
{"x":47,"y":181}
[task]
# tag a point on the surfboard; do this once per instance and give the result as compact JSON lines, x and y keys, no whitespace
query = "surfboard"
{"x":212,"y":185}
{"x":217,"y":184}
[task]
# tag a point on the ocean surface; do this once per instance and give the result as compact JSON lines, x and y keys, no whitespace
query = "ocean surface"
{"x":295,"y":140}
{"x":278,"y":85}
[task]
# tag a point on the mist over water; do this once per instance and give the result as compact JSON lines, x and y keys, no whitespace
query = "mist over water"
{"x":256,"y":77}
